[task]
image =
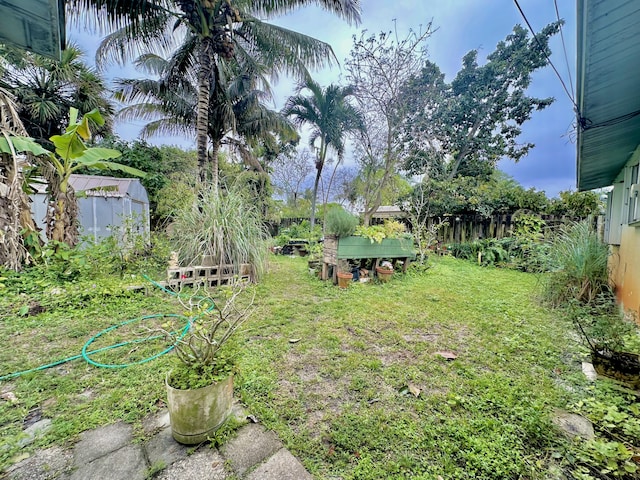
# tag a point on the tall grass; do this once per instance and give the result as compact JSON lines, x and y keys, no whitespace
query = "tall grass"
{"x":579,"y":265}
{"x":224,"y":224}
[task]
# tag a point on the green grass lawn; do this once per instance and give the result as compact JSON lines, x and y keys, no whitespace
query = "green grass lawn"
{"x":332,"y":371}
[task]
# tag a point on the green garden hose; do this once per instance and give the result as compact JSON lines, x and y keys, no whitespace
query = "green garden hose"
{"x":86,"y":353}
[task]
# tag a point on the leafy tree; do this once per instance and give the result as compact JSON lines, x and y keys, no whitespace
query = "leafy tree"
{"x":46,"y":89}
{"x":378,"y":67}
{"x":576,"y":204}
{"x":164,"y":168}
{"x":222,"y":30}
{"x":238,"y":116}
{"x":331,"y":119}
{"x":465,"y":127}
{"x":16,"y":223}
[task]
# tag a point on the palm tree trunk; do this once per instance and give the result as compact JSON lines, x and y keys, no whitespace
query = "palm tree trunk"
{"x":205,"y":60}
{"x":315,"y":195}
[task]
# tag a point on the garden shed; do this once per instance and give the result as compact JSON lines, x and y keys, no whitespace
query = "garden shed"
{"x":105,"y":204}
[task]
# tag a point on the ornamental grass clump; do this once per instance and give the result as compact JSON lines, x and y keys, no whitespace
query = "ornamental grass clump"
{"x":224,"y":224}
{"x":578,"y":261}
{"x":340,"y":223}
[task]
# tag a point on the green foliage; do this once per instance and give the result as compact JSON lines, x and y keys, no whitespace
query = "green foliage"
{"x":224,"y":224}
{"x":471,"y":123}
{"x":300,"y":230}
{"x":603,"y":325}
{"x":616,"y":419}
{"x":579,"y":265}
{"x":576,"y":204}
{"x":170,"y":173}
{"x":340,"y":223}
{"x":330,"y":117}
{"x":377,"y":233}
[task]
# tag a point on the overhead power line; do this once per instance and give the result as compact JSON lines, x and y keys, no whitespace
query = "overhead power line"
{"x":544,"y":51}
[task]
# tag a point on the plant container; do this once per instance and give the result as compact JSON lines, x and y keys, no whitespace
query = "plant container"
{"x":621,"y":366}
{"x":344,"y":279}
{"x":196,"y":413}
{"x":384,"y":275}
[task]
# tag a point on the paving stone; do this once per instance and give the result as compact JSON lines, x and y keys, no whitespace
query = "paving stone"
{"x":154,"y":423}
{"x":281,"y":466}
{"x":252,"y":445}
{"x":573,"y":425}
{"x":206,"y":463}
{"x":163,"y":448}
{"x":46,"y":464}
{"x":589,"y":371}
{"x":127,"y":463}
{"x":101,"y":441}
{"x":38,"y":428}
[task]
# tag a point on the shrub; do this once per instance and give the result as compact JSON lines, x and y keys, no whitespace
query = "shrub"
{"x":579,"y":265}
{"x":340,"y":223}
{"x":224,"y":224}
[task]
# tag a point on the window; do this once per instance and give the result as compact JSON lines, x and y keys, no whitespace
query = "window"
{"x":634,"y":195}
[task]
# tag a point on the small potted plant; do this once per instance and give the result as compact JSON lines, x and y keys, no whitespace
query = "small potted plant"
{"x":384,"y":271}
{"x":200,"y":384}
{"x":345,"y":274}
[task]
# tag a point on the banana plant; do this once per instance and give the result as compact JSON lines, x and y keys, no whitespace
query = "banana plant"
{"x":72,"y":154}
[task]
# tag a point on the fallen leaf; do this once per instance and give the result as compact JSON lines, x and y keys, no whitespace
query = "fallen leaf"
{"x":294,"y":340}
{"x":447,"y":354}
{"x":414,"y":390}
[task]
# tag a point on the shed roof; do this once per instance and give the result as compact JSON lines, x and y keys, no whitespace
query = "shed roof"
{"x":99,"y":186}
{"x":35,"y":25}
{"x":608,"y":69}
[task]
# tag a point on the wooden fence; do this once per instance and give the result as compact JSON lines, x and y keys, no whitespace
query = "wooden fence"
{"x":467,"y":228}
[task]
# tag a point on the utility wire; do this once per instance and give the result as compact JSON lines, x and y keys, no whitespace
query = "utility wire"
{"x":544,"y":51}
{"x":564,"y":48}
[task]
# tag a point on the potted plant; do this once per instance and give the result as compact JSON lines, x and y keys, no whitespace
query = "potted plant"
{"x":200,"y":384}
{"x":345,"y":275}
{"x":384,"y":271}
{"x":612,"y":341}
{"x":340,"y":223}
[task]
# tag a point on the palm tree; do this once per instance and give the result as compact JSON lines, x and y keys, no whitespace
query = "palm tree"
{"x":224,"y":29}
{"x":331,"y":119}
{"x":237,"y":114}
{"x":16,"y":223}
{"x":45,"y":89}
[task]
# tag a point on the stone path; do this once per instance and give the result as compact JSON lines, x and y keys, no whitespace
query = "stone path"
{"x":110,"y":453}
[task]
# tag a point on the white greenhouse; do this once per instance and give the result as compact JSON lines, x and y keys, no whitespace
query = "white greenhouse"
{"x":106,"y":205}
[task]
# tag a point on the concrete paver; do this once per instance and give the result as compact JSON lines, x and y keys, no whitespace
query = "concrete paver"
{"x":111,"y":453}
{"x":97,"y":443}
{"x":162,"y":448}
{"x":127,"y":463}
{"x":252,"y":445}
{"x":43,"y":465}
{"x":281,"y":466}
{"x":206,"y":463}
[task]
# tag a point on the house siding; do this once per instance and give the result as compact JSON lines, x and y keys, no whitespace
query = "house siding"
{"x":624,"y":264}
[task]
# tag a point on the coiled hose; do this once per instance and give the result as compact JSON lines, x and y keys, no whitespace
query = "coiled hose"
{"x":86,"y":352}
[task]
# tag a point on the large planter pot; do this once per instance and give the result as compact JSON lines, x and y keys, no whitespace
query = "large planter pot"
{"x":344,"y":279}
{"x":621,"y":366}
{"x":384,"y":275}
{"x":195,"y":414}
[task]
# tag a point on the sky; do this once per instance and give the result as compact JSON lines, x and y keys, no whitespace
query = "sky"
{"x":462,"y":25}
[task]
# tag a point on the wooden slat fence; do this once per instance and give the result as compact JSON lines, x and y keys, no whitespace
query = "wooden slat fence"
{"x":467,"y":228}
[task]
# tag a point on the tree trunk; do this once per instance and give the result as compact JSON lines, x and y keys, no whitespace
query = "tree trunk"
{"x":205,"y":60}
{"x":315,"y":195}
